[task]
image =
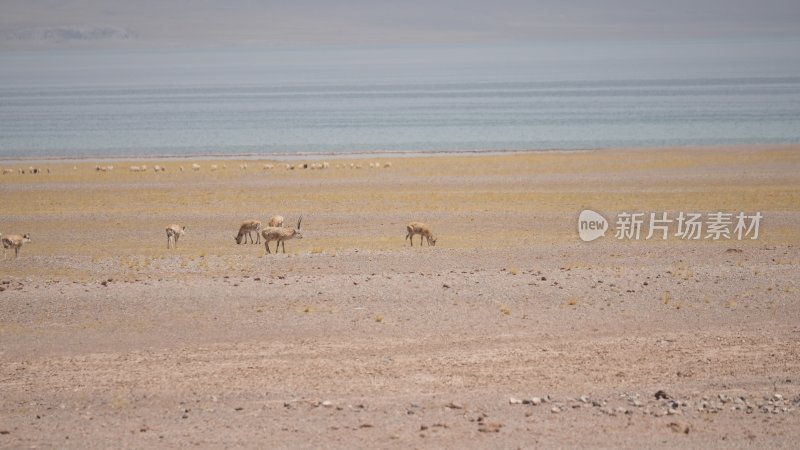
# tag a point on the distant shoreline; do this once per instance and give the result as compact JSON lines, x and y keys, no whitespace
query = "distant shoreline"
{"x":316,"y":156}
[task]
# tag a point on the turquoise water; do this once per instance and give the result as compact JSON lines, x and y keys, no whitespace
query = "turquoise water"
{"x":262,"y":101}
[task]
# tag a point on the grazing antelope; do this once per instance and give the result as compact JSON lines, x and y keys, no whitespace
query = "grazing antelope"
{"x":14,"y":241}
{"x":248,"y":226}
{"x":276,"y":221}
{"x":173,"y":233}
{"x":281,"y":234}
{"x":195,"y":167}
{"x":421,"y":229}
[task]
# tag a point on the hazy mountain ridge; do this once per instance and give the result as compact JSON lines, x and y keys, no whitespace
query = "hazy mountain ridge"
{"x":193,"y":23}
{"x":68,"y":33}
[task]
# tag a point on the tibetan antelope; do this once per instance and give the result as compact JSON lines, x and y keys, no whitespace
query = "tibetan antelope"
{"x":173,"y":233}
{"x":421,"y":229}
{"x":276,"y":221}
{"x":281,"y":234}
{"x":14,"y":241}
{"x":247,"y":227}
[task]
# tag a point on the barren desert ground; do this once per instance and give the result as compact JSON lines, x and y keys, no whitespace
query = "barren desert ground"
{"x":509,"y":333}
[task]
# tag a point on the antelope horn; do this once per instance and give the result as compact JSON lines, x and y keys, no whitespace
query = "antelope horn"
{"x":299,"y":220}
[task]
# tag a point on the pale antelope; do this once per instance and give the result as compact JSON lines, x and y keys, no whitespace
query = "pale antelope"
{"x":195,"y":167}
{"x":14,"y":241}
{"x":248,"y":226}
{"x":173,"y":233}
{"x":276,"y":221}
{"x":281,"y":234}
{"x":421,"y":229}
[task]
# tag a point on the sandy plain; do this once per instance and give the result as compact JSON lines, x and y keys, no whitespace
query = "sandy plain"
{"x":510,"y":333}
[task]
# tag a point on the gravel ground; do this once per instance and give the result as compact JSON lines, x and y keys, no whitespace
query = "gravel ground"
{"x":517,"y":341}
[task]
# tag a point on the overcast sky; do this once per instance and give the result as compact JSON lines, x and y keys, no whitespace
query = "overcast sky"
{"x":202,"y":23}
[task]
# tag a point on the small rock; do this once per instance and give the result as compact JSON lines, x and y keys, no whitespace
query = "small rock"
{"x":514,"y":401}
{"x":327,"y":403}
{"x":673,"y":411}
{"x":536,"y":401}
{"x":453,"y":405}
{"x":661,"y":394}
{"x":679,"y":428}
{"x":555,"y":410}
{"x":584,"y":399}
{"x":777,"y":397}
{"x":490,"y":427}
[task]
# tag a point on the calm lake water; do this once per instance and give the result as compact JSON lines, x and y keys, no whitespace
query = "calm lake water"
{"x":267,"y":101}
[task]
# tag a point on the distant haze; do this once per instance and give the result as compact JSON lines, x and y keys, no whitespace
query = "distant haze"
{"x":203,"y":23}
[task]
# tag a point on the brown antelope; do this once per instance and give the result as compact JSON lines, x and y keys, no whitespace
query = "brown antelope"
{"x":421,"y":229}
{"x":276,"y":221}
{"x":248,"y":226}
{"x":281,"y":234}
{"x":173,"y":233}
{"x":14,"y":241}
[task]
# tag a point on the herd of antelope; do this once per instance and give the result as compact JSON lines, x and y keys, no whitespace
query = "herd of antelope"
{"x":197,"y":167}
{"x":275,"y":231}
